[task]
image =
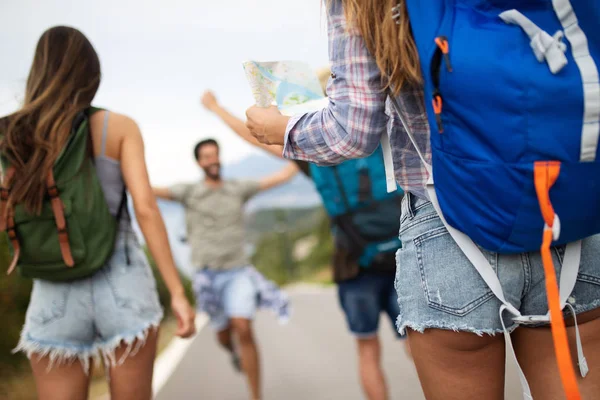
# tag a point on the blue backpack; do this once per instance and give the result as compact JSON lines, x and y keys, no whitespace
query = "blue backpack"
{"x":513,"y":100}
{"x":355,"y":197}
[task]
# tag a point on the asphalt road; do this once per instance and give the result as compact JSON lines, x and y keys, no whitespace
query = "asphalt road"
{"x":313,"y":357}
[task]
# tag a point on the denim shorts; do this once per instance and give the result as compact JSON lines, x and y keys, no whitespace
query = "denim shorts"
{"x":233,"y":294}
{"x":439,"y":288}
{"x":364,"y":298}
{"x":93,"y":316}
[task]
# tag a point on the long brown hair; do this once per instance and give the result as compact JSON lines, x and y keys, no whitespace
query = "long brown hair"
{"x":391,"y":43}
{"x":63,"y":80}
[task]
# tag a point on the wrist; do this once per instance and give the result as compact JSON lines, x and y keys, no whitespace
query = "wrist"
{"x":278,"y":128}
{"x":177,"y":291}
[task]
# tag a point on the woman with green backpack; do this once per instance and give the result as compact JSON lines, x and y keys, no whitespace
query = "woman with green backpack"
{"x":66,"y":171}
{"x":487,"y":97}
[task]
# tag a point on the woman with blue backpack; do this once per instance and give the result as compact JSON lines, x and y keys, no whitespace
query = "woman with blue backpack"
{"x":66,"y":171}
{"x":498,"y":102}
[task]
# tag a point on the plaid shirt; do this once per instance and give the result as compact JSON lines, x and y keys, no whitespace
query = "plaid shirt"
{"x":359,"y":112}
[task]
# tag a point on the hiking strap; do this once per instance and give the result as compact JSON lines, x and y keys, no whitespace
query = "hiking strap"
{"x":104,"y":133}
{"x":545,"y":47}
{"x":7,"y":219}
{"x":388,"y":162}
{"x":589,"y":75}
{"x":58,"y":209}
{"x":483,"y":267}
{"x":545,"y":176}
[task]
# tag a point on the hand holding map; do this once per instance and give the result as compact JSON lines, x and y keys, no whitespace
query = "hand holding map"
{"x":291,"y":85}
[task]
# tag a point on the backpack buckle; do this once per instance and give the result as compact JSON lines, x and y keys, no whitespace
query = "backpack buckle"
{"x":555,"y":227}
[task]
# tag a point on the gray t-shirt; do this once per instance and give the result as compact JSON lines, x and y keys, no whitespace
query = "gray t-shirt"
{"x":215,"y":221}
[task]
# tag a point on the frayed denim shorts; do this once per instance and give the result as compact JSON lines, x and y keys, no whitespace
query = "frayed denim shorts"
{"x":439,"y":288}
{"x":92,"y":317}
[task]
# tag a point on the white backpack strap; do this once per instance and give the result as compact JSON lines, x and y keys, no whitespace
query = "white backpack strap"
{"x":511,"y":350}
{"x":589,"y":76}
{"x":388,"y":162}
{"x":546,"y":48}
{"x":569,"y":271}
{"x":473,"y":253}
{"x":568,"y":279}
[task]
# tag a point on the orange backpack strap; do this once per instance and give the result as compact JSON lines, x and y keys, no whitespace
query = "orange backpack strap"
{"x":58,"y":209}
{"x":545,"y":175}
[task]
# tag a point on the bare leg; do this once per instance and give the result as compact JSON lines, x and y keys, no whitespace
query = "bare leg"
{"x":371,"y":374}
{"x":224,"y":338}
{"x":132,"y":380}
{"x":535,"y":351}
{"x":249,"y":353}
{"x":65,"y":381}
{"x":459,"y":365}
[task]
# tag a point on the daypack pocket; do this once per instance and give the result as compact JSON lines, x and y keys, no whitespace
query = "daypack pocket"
{"x":38,"y":238}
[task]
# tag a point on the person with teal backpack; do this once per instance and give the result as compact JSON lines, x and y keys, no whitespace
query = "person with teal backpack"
{"x":365,"y":219}
{"x":498,"y":103}
{"x":66,"y":171}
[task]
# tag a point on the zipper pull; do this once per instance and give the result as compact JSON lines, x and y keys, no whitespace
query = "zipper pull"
{"x":437,"y":109}
{"x":442,"y":44}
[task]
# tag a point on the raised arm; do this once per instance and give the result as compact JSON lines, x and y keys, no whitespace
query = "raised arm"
{"x":135,"y":174}
{"x":352,"y":125}
{"x":209,"y":101}
{"x":280,"y":177}
{"x":162,"y":193}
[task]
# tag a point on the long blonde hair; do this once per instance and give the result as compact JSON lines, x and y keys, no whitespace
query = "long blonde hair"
{"x":63,"y":81}
{"x":391,"y":43}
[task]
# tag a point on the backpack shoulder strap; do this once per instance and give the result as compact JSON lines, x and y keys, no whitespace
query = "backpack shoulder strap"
{"x":104,"y":133}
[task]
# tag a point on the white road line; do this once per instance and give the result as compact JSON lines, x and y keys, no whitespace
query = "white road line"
{"x":170,"y":357}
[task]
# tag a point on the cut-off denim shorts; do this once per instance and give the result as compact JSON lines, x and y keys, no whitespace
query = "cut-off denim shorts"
{"x":92,"y":317}
{"x":439,"y":288}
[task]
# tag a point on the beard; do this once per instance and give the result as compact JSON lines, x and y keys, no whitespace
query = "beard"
{"x":213,"y":171}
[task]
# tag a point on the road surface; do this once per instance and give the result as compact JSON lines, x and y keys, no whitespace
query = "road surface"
{"x":311,"y":358}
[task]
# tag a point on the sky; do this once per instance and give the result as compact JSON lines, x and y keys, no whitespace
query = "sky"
{"x":158,"y":57}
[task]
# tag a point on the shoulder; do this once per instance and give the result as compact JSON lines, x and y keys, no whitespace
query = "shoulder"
{"x":192,"y":187}
{"x":119,"y":124}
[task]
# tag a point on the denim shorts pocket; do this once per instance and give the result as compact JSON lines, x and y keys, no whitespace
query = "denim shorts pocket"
{"x":48,"y":302}
{"x":450,"y":282}
{"x":132,"y":284}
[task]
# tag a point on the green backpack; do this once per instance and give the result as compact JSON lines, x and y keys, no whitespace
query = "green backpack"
{"x":75,"y":233}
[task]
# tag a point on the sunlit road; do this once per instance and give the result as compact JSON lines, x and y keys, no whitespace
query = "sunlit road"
{"x":311,"y":358}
